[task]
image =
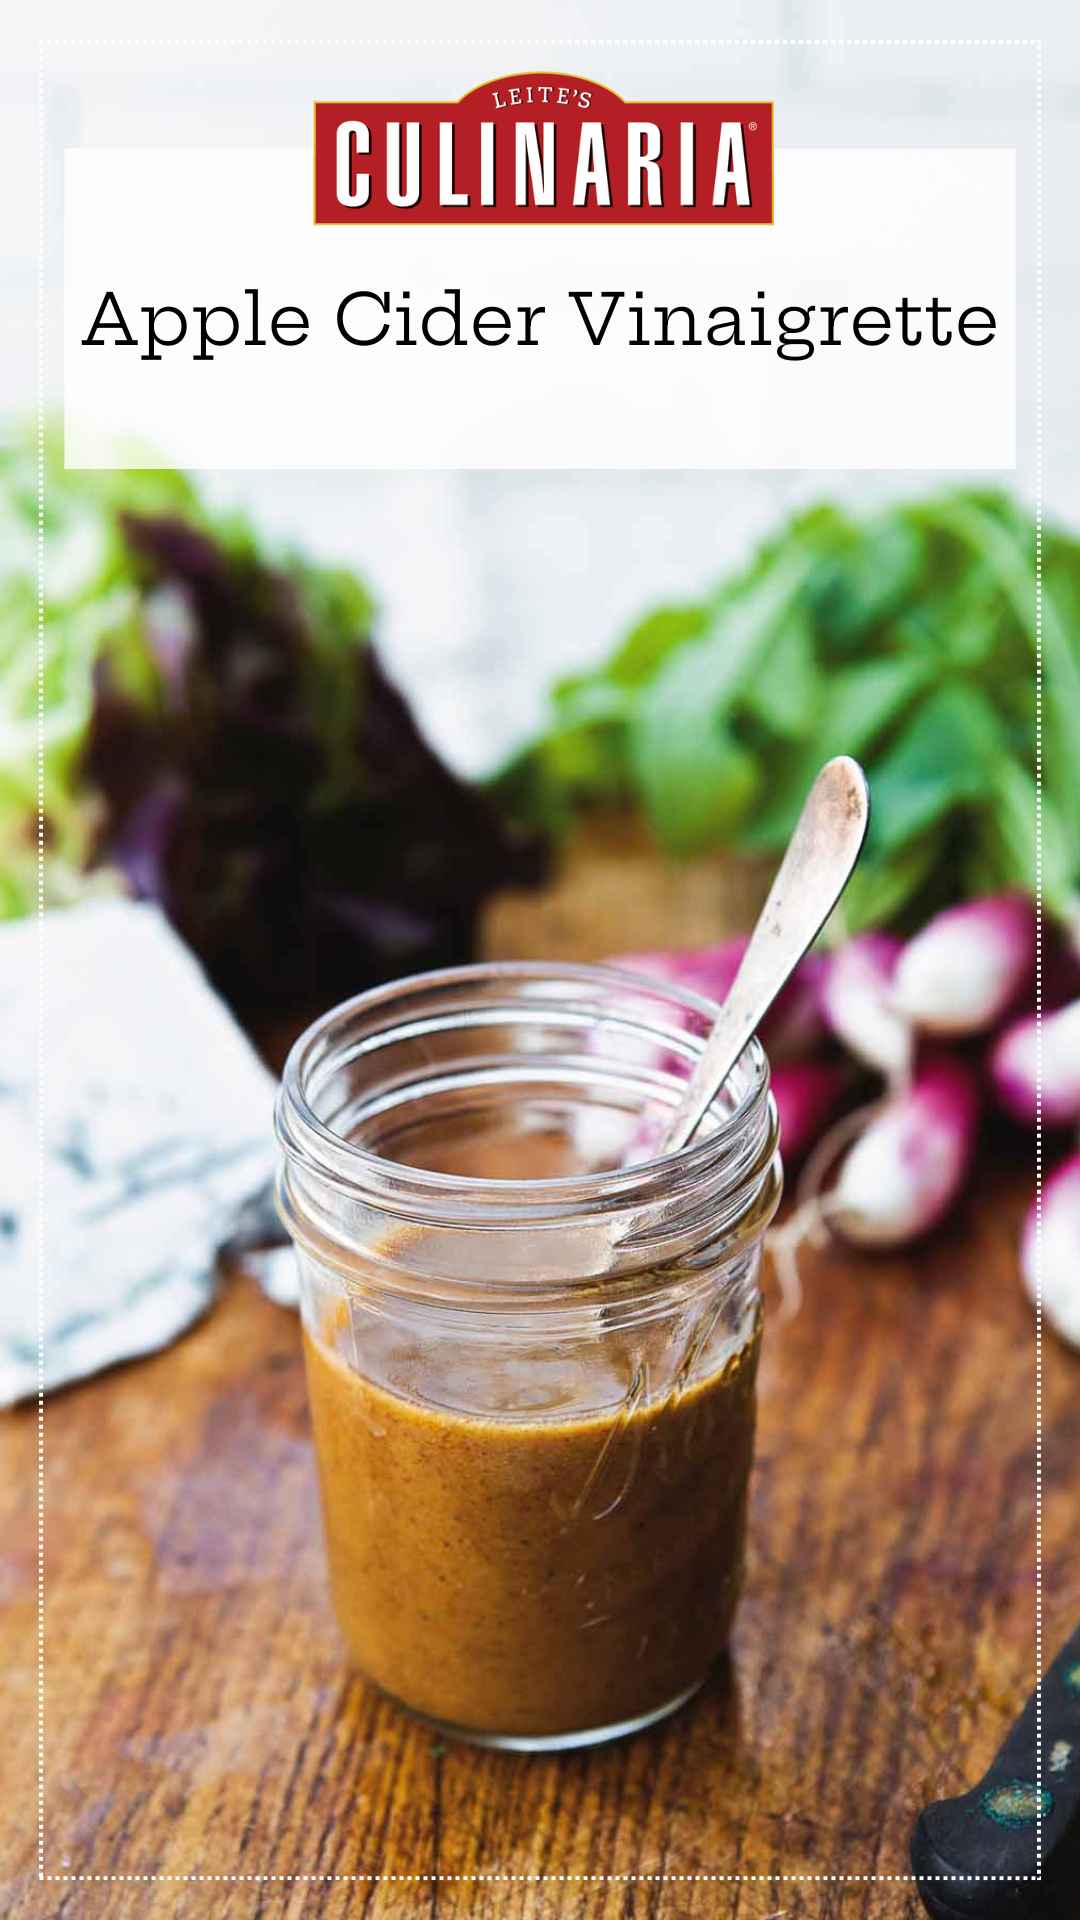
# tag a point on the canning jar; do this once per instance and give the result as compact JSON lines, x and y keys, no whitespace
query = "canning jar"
{"x":530,"y":1351}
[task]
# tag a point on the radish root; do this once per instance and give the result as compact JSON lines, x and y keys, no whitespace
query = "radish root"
{"x":810,"y":1220}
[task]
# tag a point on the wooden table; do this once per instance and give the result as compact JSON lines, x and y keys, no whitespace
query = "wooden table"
{"x":208,"y":1751}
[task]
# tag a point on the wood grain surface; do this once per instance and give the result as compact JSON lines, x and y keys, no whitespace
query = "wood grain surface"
{"x":208,"y":1750}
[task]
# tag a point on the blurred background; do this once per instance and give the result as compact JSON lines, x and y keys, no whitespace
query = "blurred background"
{"x":490,"y":584}
{"x":339,"y":726}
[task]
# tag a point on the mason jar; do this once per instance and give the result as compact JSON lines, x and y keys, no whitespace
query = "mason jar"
{"x":530,"y":1339}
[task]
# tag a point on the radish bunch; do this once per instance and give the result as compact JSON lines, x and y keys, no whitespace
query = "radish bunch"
{"x":942,"y":1022}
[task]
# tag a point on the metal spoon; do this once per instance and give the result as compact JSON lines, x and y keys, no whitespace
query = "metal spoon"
{"x":816,"y":867}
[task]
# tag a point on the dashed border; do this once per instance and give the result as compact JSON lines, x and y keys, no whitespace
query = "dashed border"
{"x":40,"y":904}
{"x":534,"y":1879}
{"x":271,"y":43}
{"x":1039,"y":484}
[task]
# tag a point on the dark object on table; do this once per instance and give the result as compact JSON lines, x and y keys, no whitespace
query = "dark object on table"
{"x":271,"y":789}
{"x":989,"y":1834}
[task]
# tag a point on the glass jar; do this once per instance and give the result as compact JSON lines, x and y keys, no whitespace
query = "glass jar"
{"x":530,"y":1359}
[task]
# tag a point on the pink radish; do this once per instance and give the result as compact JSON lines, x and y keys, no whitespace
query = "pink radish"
{"x":808,"y":1094}
{"x":792,"y":1028}
{"x":858,"y":1003}
{"x":968,"y":966}
{"x":1060,"y":1250}
{"x":708,"y":970}
{"x":1013,"y":1062}
{"x":1060,"y":968}
{"x":908,"y":1168}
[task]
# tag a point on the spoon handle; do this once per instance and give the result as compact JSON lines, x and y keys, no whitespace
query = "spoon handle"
{"x":816,"y":868}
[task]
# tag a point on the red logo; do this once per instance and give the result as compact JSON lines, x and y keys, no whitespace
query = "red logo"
{"x":547,"y":149}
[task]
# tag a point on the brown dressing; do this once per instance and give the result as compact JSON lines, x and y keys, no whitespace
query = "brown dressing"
{"x":530,"y":1572}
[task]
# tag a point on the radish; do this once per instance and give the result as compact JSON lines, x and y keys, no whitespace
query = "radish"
{"x":1013,"y":1063}
{"x":968,"y":966}
{"x":1060,"y":968}
{"x":909,"y":1166}
{"x":807,"y":1094}
{"x":1060,"y":1250}
{"x":858,"y":1004}
{"x":709,"y":970}
{"x":793,"y":1026}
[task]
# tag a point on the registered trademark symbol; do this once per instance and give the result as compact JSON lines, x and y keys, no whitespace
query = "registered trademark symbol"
{"x":752,"y":126}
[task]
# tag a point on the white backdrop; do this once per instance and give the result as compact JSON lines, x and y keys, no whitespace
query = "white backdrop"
{"x":152,"y":227}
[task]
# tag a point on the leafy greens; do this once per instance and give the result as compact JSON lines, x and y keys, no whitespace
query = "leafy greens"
{"x":908,"y":639}
{"x":220,"y":737}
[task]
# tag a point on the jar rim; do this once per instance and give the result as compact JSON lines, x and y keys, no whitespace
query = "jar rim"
{"x":306,"y":1139}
